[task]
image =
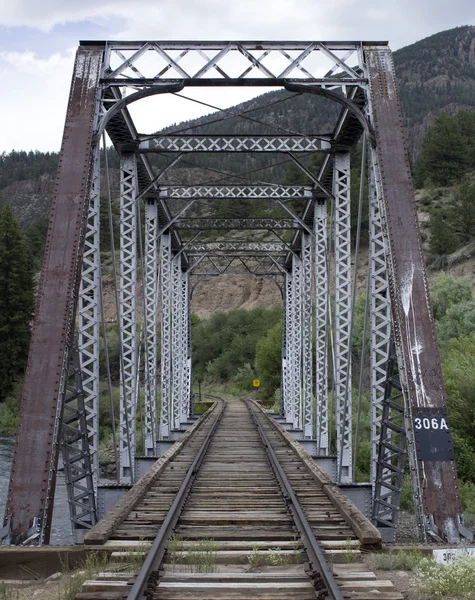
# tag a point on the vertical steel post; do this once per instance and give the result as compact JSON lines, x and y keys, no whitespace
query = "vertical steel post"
{"x":342,"y":375}
{"x":151,"y":309}
{"x":165,"y":340}
{"x":380,"y":320}
{"x":296,"y":341}
{"x":176,"y":337}
{"x":288,"y":409}
{"x":321,"y":329}
{"x":283,"y":374}
{"x":88,"y":310}
{"x":307,"y":345}
{"x":75,"y":447}
{"x":186,"y":361}
{"x":128,"y":313}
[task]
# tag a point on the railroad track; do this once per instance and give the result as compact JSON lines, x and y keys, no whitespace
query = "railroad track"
{"x":241,"y":511}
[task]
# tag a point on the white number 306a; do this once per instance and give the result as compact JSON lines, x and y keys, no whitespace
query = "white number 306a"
{"x":433,"y":423}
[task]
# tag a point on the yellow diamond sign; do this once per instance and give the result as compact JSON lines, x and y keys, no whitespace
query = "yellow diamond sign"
{"x":256,"y":383}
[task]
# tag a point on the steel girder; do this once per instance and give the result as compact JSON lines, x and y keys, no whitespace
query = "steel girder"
{"x":29,"y":506}
{"x":288,"y":404}
{"x":437,"y":498}
{"x":249,"y":192}
{"x":391,"y":457}
{"x":237,"y":247}
{"x":295,"y":342}
{"x":242,"y":143}
{"x":128,"y":314}
{"x":177,"y":339}
{"x":203,"y":224}
{"x":307,"y":344}
{"x":79,"y":470}
{"x":88,"y":326}
{"x":342,"y":375}
{"x":151,"y":310}
{"x":217,"y":63}
{"x":186,"y":347}
{"x":322,"y":306}
{"x":166,"y":335}
{"x":380,"y":319}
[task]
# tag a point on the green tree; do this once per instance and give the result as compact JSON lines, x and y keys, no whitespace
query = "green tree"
{"x":16,"y":301}
{"x":36,"y":238}
{"x":461,"y":214}
{"x":444,"y":152}
{"x":442,"y":239}
{"x":446,"y":291}
{"x":459,"y":321}
{"x":269,"y":359}
{"x":458,"y":369}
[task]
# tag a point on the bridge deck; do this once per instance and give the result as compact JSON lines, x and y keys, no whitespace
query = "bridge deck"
{"x":236,"y":537}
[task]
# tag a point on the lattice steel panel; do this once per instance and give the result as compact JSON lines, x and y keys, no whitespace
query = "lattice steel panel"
{"x":289,"y":404}
{"x":128,"y":314}
{"x":166,"y":335}
{"x":321,"y":328}
{"x":249,"y":192}
{"x":389,"y":470}
{"x":341,"y":190}
{"x":77,"y":458}
{"x":88,"y":310}
{"x":151,"y":310}
{"x":205,"y":63}
{"x":186,"y":346}
{"x":295,"y":341}
{"x":307,"y":345}
{"x":380,"y":320}
{"x":237,"y":246}
{"x":209,"y":223}
{"x":228,"y":143}
{"x":177,"y":342}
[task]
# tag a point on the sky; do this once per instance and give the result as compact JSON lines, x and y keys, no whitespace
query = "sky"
{"x":38,"y":41}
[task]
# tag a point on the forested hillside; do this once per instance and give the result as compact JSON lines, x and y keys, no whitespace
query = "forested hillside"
{"x":434,"y":75}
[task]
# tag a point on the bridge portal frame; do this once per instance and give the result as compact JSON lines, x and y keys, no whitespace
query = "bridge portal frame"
{"x":111,"y":76}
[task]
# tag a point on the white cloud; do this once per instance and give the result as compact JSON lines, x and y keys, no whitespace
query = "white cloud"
{"x":38,"y":81}
{"x":34,"y":108}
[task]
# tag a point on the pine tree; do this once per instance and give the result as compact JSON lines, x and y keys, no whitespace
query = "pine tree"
{"x":462,"y":212}
{"x":16,"y":301}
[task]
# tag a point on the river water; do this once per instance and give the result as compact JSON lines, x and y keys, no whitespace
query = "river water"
{"x":61,"y":528}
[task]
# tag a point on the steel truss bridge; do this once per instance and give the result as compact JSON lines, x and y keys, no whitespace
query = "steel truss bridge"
{"x":310,"y":257}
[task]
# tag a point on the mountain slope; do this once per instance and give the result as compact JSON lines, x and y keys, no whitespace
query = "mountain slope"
{"x":435,"y":74}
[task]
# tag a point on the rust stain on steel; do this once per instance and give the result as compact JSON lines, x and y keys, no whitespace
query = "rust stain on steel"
{"x":412,"y":313}
{"x":35,"y":457}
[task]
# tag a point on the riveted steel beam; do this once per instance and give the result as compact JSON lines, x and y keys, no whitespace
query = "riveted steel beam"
{"x":151,"y":311}
{"x":201,"y":224}
{"x":228,"y":143}
{"x":128,"y":314}
{"x":341,"y":191}
{"x":249,"y":192}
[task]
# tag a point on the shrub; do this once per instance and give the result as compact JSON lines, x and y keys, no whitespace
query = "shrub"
{"x":455,"y":579}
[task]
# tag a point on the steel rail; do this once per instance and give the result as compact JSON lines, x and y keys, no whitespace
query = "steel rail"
{"x":147,"y":579}
{"x":321,"y":574}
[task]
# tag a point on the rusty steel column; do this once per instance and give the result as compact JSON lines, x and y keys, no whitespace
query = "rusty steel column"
{"x":29,"y":506}
{"x":429,"y":434}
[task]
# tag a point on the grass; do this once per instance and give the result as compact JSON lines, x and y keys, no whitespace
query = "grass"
{"x":9,"y":416}
{"x":72,"y":583}
{"x":200,"y":558}
{"x":398,"y":561}
{"x":272,"y":557}
{"x":7,"y":593}
{"x":350,"y":555}
{"x":453,"y":580}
